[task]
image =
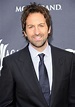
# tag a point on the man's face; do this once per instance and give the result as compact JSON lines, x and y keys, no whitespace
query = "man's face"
{"x":37,"y":30}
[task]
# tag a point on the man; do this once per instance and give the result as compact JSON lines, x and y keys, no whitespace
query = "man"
{"x":20,"y":81}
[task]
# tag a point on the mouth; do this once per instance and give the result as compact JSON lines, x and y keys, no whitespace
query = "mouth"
{"x":38,"y":38}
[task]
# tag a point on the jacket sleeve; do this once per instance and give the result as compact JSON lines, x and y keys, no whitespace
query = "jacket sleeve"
{"x":6,"y":86}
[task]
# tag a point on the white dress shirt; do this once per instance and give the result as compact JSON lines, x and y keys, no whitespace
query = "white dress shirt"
{"x":47,"y":61}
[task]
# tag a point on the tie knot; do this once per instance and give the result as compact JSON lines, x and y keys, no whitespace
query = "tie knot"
{"x":41,"y":56}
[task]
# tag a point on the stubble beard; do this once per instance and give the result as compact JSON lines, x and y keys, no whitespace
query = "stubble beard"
{"x":38,"y":44}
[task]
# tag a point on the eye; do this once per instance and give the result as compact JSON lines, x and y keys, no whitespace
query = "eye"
{"x":31,"y":26}
{"x":41,"y":25}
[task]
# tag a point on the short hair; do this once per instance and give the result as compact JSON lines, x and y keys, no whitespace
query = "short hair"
{"x":33,"y":8}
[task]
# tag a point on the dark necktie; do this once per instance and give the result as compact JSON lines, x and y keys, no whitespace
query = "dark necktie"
{"x":43,"y":78}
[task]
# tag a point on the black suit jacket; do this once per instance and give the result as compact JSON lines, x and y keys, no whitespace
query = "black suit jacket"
{"x":19,"y":86}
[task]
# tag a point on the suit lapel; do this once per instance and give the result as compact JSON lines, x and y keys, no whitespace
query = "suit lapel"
{"x":29,"y":74}
{"x":57,"y":62}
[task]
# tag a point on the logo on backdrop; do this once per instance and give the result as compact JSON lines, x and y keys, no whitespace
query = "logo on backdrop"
{"x":4,"y":52}
{"x":49,"y":7}
{"x":70,"y":50}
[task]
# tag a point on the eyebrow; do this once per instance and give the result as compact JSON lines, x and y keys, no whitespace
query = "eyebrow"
{"x":33,"y":25}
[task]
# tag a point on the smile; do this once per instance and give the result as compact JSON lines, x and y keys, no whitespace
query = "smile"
{"x":37,"y":38}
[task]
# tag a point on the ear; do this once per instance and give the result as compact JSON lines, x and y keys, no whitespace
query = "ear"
{"x":25,"y":34}
{"x":49,"y":29}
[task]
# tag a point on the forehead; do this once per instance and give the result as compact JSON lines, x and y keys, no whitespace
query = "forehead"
{"x":35,"y":18}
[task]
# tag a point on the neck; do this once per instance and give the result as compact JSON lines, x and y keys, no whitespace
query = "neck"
{"x":41,"y":48}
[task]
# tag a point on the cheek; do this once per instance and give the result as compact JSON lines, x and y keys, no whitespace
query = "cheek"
{"x":29,"y":32}
{"x":29,"y":35}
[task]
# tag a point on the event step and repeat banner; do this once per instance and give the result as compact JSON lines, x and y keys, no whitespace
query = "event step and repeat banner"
{"x":63,"y":19}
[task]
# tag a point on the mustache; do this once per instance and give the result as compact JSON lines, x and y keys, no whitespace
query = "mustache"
{"x":40,"y":35}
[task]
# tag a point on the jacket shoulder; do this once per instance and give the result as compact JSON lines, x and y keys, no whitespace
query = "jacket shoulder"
{"x":61,"y":52}
{"x":15,"y":55}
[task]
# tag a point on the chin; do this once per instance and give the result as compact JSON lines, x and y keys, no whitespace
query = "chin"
{"x":39,"y":45}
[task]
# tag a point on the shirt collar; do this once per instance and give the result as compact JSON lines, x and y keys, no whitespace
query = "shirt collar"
{"x":34,"y":53}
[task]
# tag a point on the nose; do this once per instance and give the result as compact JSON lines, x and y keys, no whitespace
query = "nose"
{"x":37,"y":31}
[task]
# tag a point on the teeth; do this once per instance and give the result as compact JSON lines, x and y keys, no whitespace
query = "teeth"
{"x":38,"y":38}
